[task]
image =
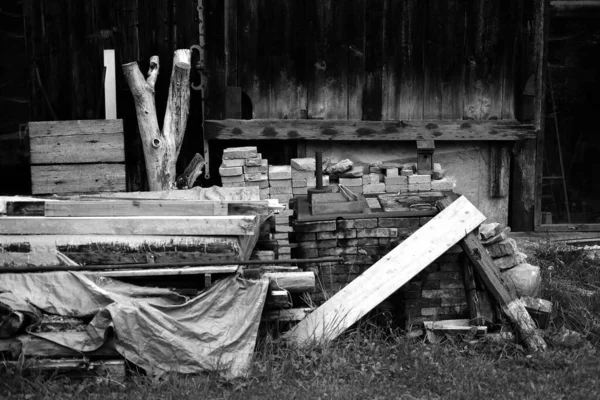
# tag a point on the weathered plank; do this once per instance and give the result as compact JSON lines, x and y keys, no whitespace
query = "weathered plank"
{"x":225,"y":269}
{"x":327,"y":58}
{"x":372,"y":95}
{"x":388,"y":274}
{"x":78,"y":149}
{"x":77,"y":178}
{"x":114,"y":208}
{"x":487,"y":54}
{"x":77,"y":127}
{"x":403,"y":68}
{"x":234,"y":225}
{"x":444,"y":59}
{"x":367,"y":130}
{"x":499,"y":163}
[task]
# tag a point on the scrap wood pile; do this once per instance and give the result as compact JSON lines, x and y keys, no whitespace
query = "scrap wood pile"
{"x":457,"y":223}
{"x":58,"y":258}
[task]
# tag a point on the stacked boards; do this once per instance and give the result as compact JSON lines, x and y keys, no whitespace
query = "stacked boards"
{"x":117,"y":231}
{"x":77,"y":156}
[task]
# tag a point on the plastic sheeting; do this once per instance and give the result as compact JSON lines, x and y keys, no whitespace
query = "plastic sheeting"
{"x":155,"y":329}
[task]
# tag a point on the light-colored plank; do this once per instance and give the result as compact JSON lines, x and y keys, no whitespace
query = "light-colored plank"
{"x":256,"y":129}
{"x":186,"y":226}
{"x":219,"y":269}
{"x":388,"y":274}
{"x":113,"y":208}
{"x":85,"y":178}
{"x":78,"y":149}
{"x":79,"y":127}
{"x":110,"y":85}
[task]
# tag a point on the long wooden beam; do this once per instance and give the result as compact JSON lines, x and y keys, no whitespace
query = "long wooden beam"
{"x":177,"y":226}
{"x":388,"y":274}
{"x":286,"y":129}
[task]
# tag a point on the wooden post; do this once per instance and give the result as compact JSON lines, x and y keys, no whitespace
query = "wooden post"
{"x":161,"y":149}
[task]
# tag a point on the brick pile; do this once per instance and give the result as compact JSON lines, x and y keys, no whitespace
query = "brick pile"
{"x":437,"y":292}
{"x":244,"y":166}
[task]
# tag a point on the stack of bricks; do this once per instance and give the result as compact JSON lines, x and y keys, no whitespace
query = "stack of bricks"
{"x":437,"y":292}
{"x":403,"y":178}
{"x":303,"y":175}
{"x":244,"y":166}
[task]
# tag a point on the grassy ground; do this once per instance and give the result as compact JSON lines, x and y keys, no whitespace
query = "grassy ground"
{"x":375,"y":362}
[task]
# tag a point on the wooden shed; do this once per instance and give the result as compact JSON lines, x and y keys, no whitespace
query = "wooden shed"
{"x":359,"y":79}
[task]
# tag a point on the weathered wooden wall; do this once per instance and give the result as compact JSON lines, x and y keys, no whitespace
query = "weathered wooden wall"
{"x":335,"y":59}
{"x":66,"y":39}
{"x":376,"y":59}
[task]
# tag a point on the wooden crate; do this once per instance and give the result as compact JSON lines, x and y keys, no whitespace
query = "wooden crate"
{"x":77,"y":156}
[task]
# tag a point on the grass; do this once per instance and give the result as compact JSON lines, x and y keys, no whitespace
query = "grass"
{"x":376,"y":362}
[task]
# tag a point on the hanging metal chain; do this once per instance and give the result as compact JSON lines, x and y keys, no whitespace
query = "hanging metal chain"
{"x":200,"y":67}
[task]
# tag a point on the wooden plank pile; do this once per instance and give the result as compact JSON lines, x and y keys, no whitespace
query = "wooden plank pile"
{"x":91,"y":154}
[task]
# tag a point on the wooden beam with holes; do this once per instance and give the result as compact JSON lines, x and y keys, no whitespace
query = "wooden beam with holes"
{"x":286,"y":129}
{"x":388,"y":274}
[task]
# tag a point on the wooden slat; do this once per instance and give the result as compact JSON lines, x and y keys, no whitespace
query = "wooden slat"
{"x":234,"y":225}
{"x":403,"y":52}
{"x":327,"y":58}
{"x":388,"y":274}
{"x":225,"y":269}
{"x":115,"y":208}
{"x":368,"y":130}
{"x":372,"y":95}
{"x":110,"y":85}
{"x":568,"y":228}
{"x":444,"y":59}
{"x":78,"y":149}
{"x":80,"y":178}
{"x":80,"y":127}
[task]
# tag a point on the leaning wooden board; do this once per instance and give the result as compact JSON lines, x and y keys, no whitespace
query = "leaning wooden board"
{"x":388,"y":274}
{"x":77,"y":156}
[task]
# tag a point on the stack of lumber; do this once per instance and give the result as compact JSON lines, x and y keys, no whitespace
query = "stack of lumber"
{"x":90,"y":154}
{"x":121,"y":231}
